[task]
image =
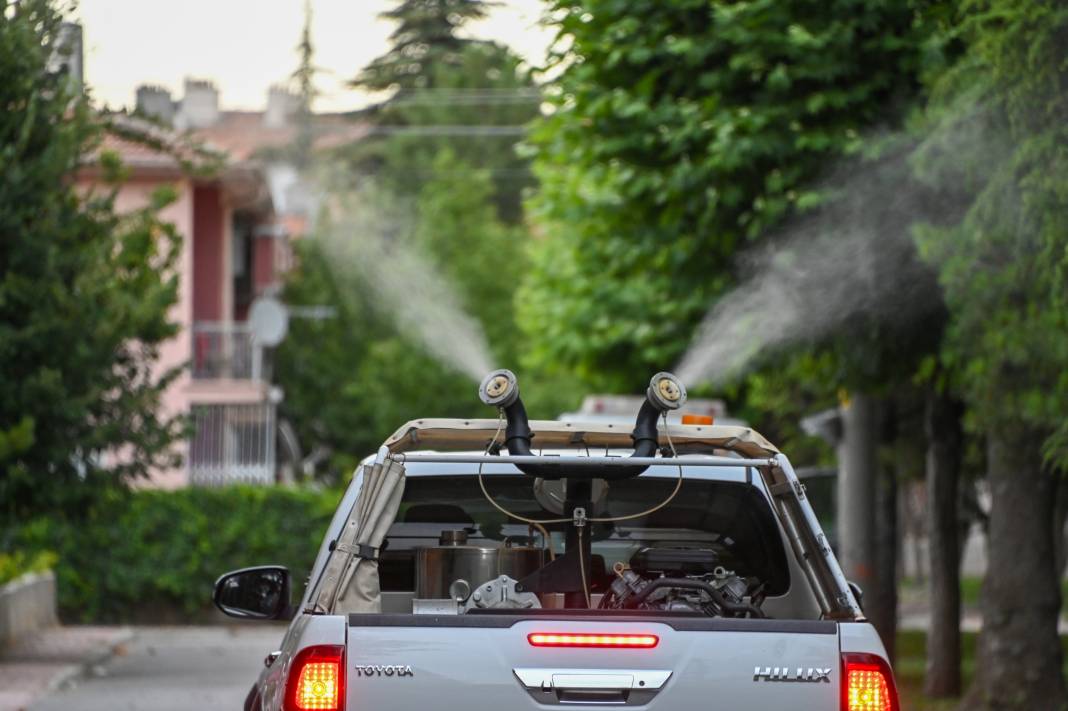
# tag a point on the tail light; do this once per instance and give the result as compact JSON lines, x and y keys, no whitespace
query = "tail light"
{"x":316,"y":681}
{"x":867,"y":684}
{"x":606,"y":641}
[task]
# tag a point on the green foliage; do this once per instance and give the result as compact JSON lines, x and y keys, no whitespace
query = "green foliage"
{"x":684,"y":130}
{"x":148,"y":553}
{"x":350,"y":381}
{"x":1001,"y":116}
{"x":425,"y":37}
{"x":84,"y":293}
{"x":18,"y":563}
{"x":485,"y":89}
{"x":427,"y":186}
{"x":459,"y":230}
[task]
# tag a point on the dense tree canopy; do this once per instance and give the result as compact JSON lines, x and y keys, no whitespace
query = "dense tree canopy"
{"x":1003,"y":266}
{"x":682,"y":131}
{"x":84,"y":293}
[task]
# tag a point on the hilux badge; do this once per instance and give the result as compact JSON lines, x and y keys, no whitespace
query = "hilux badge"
{"x":791,"y":674}
{"x":384,"y":670}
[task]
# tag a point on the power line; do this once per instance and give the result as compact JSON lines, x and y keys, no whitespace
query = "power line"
{"x":466,"y":97}
{"x":457,"y":130}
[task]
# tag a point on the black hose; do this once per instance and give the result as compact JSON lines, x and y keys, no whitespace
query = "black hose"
{"x":734,"y":608}
{"x":517,"y":437}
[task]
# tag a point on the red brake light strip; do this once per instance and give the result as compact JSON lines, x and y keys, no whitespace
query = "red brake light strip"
{"x":605,"y":641}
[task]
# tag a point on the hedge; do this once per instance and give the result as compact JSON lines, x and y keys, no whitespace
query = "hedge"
{"x":153,"y":555}
{"x":18,"y":563}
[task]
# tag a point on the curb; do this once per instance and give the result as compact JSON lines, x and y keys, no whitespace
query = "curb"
{"x":71,"y":673}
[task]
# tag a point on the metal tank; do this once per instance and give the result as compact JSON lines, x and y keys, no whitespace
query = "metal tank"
{"x":453,"y":569}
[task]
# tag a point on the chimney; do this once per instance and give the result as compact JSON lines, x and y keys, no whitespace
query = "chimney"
{"x":67,"y":55}
{"x":200,"y":105}
{"x":282,"y":105}
{"x":155,"y":101}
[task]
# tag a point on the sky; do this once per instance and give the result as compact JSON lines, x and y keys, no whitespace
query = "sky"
{"x":245,"y":46}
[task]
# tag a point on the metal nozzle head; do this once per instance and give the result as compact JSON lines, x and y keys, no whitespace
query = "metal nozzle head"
{"x":666,"y":392}
{"x":499,"y":389}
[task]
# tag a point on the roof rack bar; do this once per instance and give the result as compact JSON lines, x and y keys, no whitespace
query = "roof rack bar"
{"x":577,"y":461}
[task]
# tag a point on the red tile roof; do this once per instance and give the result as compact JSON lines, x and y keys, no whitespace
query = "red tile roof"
{"x":243,"y":133}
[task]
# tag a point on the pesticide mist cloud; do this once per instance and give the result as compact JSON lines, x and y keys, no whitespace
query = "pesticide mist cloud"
{"x":853,"y":257}
{"x":365,"y":239}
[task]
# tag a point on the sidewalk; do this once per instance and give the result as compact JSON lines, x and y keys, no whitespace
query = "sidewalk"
{"x":970,"y":621}
{"x":44,"y":661}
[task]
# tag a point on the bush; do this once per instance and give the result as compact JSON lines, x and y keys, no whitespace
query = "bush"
{"x":154,"y":555}
{"x":15,"y":565}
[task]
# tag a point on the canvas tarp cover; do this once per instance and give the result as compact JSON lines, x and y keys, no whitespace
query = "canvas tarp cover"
{"x":356,"y":568}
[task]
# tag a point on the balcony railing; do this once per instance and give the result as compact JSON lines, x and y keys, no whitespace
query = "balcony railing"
{"x":232,"y":443}
{"x":225,"y":351}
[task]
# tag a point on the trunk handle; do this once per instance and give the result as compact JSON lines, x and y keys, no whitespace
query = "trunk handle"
{"x":593,"y":679}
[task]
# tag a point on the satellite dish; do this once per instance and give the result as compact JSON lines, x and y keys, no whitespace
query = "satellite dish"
{"x":268,"y":320}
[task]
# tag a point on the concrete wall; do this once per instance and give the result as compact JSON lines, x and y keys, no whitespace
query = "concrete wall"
{"x":27,"y":604}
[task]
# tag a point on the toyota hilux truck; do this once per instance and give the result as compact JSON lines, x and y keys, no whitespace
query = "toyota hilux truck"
{"x":515,"y":564}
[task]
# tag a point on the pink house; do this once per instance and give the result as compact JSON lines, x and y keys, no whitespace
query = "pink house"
{"x":232,"y":253}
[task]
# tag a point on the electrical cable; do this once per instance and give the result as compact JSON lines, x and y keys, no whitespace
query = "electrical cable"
{"x":608,"y":519}
{"x":582,"y":569}
{"x":605,"y":519}
{"x":506,"y":512}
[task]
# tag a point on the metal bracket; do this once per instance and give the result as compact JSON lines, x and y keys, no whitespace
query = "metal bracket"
{"x":360,"y":550}
{"x":787,"y":487}
{"x":560,"y":575}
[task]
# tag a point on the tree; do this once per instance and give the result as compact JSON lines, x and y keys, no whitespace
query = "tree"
{"x":468,"y":95}
{"x":1000,"y":115}
{"x":84,"y":293}
{"x":687,"y":132}
{"x":684,"y":130}
{"x":478,"y":109}
{"x":945,"y":444}
{"x":304,"y":76}
{"x":350,"y":381}
{"x":425,"y":38}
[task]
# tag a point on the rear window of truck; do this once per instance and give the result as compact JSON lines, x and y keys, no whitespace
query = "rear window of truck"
{"x":733,"y":518}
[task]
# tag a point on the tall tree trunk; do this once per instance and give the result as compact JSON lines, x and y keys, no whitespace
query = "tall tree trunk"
{"x":881,"y":602}
{"x":1060,"y":516}
{"x":1019,"y":661}
{"x":944,"y":441}
{"x":856,"y":490}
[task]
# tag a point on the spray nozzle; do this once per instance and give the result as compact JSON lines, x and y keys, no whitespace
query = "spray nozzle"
{"x":499,"y":389}
{"x":666,"y":392}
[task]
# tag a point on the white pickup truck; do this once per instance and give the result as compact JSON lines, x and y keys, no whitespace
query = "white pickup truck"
{"x":508,"y":564}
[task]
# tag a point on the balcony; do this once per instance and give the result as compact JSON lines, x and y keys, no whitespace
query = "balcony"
{"x":225,"y":351}
{"x":232,"y":444}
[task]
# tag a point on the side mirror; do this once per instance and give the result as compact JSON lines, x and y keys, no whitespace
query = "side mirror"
{"x":857,"y":593}
{"x":260,"y":593}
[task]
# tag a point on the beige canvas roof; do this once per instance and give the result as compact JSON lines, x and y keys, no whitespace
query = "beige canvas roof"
{"x":460,"y":435}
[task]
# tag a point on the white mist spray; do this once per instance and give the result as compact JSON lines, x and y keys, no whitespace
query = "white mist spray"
{"x":855,"y":256}
{"x":367,"y":239}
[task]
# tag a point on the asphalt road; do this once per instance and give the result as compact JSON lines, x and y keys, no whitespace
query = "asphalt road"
{"x":179,"y":668}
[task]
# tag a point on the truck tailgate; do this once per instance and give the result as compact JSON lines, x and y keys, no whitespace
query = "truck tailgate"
{"x":475,"y":662}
